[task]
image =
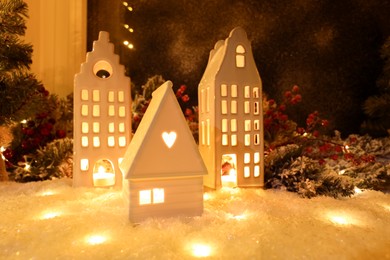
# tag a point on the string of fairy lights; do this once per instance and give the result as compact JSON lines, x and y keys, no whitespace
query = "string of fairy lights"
{"x":127,"y":43}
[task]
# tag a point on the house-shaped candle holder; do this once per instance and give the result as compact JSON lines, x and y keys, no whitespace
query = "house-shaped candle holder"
{"x":102,"y":117}
{"x":230,"y":115}
{"x":163,"y":169}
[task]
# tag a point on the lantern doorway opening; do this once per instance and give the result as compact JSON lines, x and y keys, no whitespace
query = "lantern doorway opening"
{"x":103,"y":174}
{"x":229,"y":170}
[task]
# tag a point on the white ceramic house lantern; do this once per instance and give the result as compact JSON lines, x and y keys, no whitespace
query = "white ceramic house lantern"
{"x":163,"y":169}
{"x":102,"y":117}
{"x":230,"y":115}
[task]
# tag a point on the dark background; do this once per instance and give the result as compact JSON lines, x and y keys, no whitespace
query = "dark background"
{"x":328,"y":48}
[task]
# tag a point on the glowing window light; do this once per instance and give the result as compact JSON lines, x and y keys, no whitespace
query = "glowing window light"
{"x":247,"y":157}
{"x":122,"y":141}
{"x":96,"y":141}
{"x":111,"y":127}
{"x":169,"y":138}
{"x":233,"y":90}
{"x":84,"y":141}
{"x":95,"y":239}
{"x":233,"y":125}
{"x":96,"y":111}
{"x":84,"y":94}
{"x":84,"y":110}
{"x":96,"y":95}
{"x":121,"y":96}
{"x":84,"y":164}
{"x":247,"y":172}
{"x":111,"y":141}
{"x":96,"y":127}
{"x":201,"y":250}
{"x":145,"y":197}
{"x":158,"y":195}
{"x":256,"y":157}
{"x":111,"y":110}
{"x":121,"y":127}
{"x":111,"y":96}
{"x":256,"y":171}
{"x":122,"y":111}
{"x":233,"y":140}
{"x":84,"y":127}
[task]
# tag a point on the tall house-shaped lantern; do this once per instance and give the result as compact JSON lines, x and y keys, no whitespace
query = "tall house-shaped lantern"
{"x":102,"y":117}
{"x":230,"y":115}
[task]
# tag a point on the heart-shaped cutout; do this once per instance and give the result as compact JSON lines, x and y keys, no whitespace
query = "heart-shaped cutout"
{"x":169,"y":138}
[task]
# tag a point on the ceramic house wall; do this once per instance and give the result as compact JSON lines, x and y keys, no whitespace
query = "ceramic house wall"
{"x":102,"y":115}
{"x":230,"y":113}
{"x":182,"y":197}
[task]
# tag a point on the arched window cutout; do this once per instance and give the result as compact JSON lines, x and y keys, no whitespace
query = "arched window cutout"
{"x":103,"y":173}
{"x":240,"y":56}
{"x":229,"y":170}
{"x":240,"y":49}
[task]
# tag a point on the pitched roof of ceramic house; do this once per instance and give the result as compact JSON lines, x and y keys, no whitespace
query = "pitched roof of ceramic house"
{"x":219,"y":58}
{"x":148,"y":156}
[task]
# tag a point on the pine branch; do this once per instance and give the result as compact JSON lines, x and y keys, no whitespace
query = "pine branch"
{"x":12,"y":17}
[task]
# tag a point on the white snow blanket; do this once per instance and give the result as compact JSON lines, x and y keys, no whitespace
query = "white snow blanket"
{"x":53,"y":220}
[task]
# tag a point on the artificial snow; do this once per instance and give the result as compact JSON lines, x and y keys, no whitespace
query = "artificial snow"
{"x":53,"y":220}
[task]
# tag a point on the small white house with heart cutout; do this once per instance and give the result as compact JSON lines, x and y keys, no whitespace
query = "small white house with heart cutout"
{"x":163,"y":169}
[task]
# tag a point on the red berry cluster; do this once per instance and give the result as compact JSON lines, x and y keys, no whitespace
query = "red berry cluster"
{"x":34,"y":134}
{"x":275,"y":119}
{"x":314,"y":123}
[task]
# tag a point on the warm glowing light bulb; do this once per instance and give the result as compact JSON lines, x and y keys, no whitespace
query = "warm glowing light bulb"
{"x":95,"y":239}
{"x":130,"y":8}
{"x":49,"y":215}
{"x":126,"y":26}
{"x":131,"y":46}
{"x":125,"y":3}
{"x":126,"y":42}
{"x":201,"y":250}
{"x":27,"y":167}
{"x":23,"y":121}
{"x":340,"y":220}
{"x":2,"y":149}
{"x":206,"y":196}
{"x":341,"y":172}
{"x":47,"y":193}
{"x":131,"y":30}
